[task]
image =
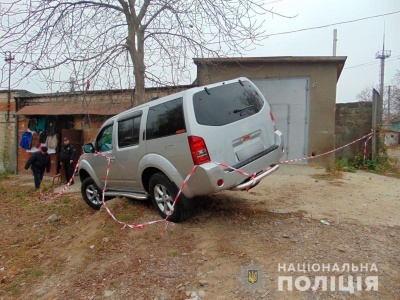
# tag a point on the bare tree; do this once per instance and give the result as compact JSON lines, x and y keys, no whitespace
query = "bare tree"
{"x":366,"y":95}
{"x":395,"y":97}
{"x":119,"y":43}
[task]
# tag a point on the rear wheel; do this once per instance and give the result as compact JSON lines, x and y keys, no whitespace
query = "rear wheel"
{"x":91,"y":193}
{"x":163,"y":192}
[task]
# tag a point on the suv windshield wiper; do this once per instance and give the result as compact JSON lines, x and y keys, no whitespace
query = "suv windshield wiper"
{"x":242,"y":109}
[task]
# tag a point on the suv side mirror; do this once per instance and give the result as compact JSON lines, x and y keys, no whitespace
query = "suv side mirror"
{"x":88,"y":148}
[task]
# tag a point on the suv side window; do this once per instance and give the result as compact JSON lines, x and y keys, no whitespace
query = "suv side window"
{"x":104,"y":139}
{"x":128,"y":131}
{"x":165,"y":119}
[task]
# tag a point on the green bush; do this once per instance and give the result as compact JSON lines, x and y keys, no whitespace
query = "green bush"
{"x":382,"y":163}
{"x":342,"y":165}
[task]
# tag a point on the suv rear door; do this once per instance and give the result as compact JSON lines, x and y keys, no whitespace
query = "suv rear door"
{"x":166,"y":135}
{"x":234,"y":120}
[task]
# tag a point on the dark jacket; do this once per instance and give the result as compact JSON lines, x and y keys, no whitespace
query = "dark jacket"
{"x":51,"y":126}
{"x":38,"y":162}
{"x":67,"y":153}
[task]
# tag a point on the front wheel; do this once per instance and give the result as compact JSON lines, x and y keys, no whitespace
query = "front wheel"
{"x":91,"y":193}
{"x":163,"y":192}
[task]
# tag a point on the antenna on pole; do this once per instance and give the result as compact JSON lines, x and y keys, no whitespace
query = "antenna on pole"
{"x":382,"y":55}
{"x":72,"y":84}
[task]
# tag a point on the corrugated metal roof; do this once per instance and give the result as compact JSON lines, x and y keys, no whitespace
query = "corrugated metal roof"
{"x":103,"y":109}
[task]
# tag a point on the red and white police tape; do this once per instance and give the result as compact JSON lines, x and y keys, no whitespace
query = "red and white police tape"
{"x":365,"y":146}
{"x":142,"y":225}
{"x":369,"y":135}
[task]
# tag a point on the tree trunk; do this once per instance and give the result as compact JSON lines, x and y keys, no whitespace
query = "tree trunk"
{"x":137,"y":56}
{"x":135,"y":44}
{"x":139,"y":69}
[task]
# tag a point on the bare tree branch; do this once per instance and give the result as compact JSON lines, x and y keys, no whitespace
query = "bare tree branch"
{"x":117,"y":43}
{"x":366,"y":95}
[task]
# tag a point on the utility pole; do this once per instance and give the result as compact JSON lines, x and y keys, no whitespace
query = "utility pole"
{"x":9,"y":59}
{"x":375,"y":101}
{"x":334,"y":41}
{"x":382,"y":55}
{"x":388,"y":115}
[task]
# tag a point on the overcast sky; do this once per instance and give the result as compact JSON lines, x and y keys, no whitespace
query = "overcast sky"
{"x":359,"y":41}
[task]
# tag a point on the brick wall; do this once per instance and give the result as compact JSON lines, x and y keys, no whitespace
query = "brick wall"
{"x":353,"y":120}
{"x":90,"y":124}
{"x":96,"y":97}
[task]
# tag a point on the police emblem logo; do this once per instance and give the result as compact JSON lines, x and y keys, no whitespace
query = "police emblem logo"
{"x":253,"y":277}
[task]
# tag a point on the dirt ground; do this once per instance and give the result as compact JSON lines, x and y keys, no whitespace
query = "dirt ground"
{"x":297,"y":216}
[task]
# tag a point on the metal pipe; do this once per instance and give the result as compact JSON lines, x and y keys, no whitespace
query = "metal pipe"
{"x":16,"y":136}
{"x":334,"y":41}
{"x":9,"y":59}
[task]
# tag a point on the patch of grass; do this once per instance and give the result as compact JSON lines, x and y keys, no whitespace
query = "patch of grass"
{"x":125,"y":218}
{"x":341,"y":165}
{"x":45,"y":187}
{"x":34,"y":272}
{"x":173,"y":253}
{"x":5,"y":176}
{"x":65,"y":200}
{"x":332,"y":175}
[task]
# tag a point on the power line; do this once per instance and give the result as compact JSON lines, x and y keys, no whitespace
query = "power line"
{"x":333,"y":24}
{"x":372,"y":63}
{"x":363,"y":65}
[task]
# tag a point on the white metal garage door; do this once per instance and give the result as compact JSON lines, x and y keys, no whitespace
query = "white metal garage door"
{"x":289,"y":101}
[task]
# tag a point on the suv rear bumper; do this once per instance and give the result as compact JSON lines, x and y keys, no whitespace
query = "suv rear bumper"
{"x":206,"y":177}
{"x":256,"y":179}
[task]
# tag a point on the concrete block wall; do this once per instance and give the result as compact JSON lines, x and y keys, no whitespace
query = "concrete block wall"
{"x":7,"y":132}
{"x":353,"y":120}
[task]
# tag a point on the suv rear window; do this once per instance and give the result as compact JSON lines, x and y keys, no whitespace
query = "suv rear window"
{"x":165,"y":119}
{"x":226,"y":104}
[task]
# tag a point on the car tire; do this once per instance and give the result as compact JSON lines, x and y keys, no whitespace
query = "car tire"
{"x":163,"y":192}
{"x":91,"y":193}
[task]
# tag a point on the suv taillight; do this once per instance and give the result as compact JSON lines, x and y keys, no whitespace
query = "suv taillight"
{"x":199,"y":150}
{"x":272,"y":119}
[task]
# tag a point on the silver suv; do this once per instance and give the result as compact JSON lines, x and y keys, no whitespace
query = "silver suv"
{"x":226,"y":129}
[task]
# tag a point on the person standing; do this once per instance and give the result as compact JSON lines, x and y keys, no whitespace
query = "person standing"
{"x":39,"y":162}
{"x":66,"y":158}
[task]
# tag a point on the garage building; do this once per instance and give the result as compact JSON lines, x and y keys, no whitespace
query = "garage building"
{"x":300,"y":90}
